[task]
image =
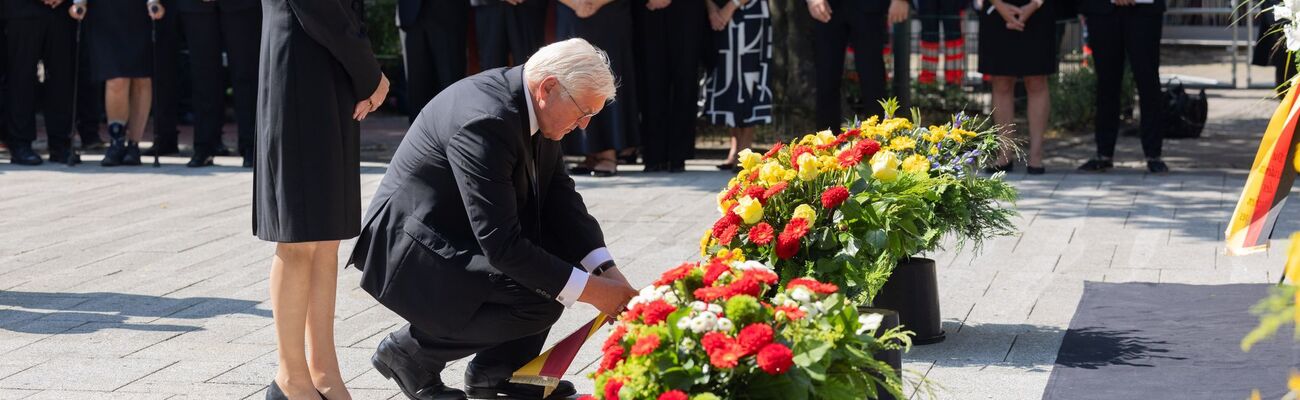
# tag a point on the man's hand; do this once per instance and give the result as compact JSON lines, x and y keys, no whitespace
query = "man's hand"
{"x":156,"y":10}
{"x":52,"y":3}
{"x":615,"y":274}
{"x":821,"y":10}
{"x":607,"y":295}
{"x":77,"y":11}
{"x":657,"y":4}
{"x":898,"y":10}
{"x":1125,"y":3}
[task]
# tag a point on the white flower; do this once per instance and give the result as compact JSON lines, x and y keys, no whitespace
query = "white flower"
{"x":709,"y":315}
{"x":725,"y":325}
{"x":870,"y":322}
{"x":753,"y":265}
{"x":701,"y":325}
{"x":801,"y":294}
{"x":684,"y":323}
{"x":780,"y":299}
{"x":1292,"y":33}
{"x":699,"y":305}
{"x":716,"y":309}
{"x":648,"y":291}
{"x":819,"y":306}
{"x":687,"y":345}
{"x":672,"y":298}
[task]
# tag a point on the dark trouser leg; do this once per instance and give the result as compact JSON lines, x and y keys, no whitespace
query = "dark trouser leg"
{"x":166,"y":84}
{"x":242,"y":31}
{"x":828,"y":57}
{"x":1143,"y":48}
{"x":203,"y":34}
{"x":502,"y":331}
{"x":59,"y":53}
{"x":24,"y":39}
{"x":684,"y":77}
{"x":1107,"y":41}
{"x":490,"y":31}
{"x":868,"y":43}
{"x":419,"y":70}
{"x":446,"y":40}
{"x":527,"y":29}
{"x":654,"y":43}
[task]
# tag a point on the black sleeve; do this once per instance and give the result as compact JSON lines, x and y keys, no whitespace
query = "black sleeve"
{"x":482,"y":159}
{"x":333,"y":26}
{"x":564,"y":207}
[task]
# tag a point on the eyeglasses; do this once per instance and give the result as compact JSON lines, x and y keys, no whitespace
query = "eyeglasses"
{"x":585,"y":114}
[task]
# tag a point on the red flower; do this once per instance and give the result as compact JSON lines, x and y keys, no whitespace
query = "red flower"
{"x":850,"y":134}
{"x":756,"y":191}
{"x":587,"y":397}
{"x":867,"y":147}
{"x":850,"y":157}
{"x":775,"y":189}
{"x":761,"y":234}
{"x":713,"y":340}
{"x":834,"y":196}
{"x":752,"y":175}
{"x":728,"y":234}
{"x":754,"y":337}
{"x":645,"y":345}
{"x":611,"y":389}
{"x":813,"y":285}
{"x":786,"y":246}
{"x":745,"y":285}
{"x":775,"y":359}
{"x":657,"y":311}
{"x":615,"y":339}
{"x":763,"y":276}
{"x":724,"y":352}
{"x":707,"y":294}
{"x":612,"y":357}
{"x":633,"y":313}
{"x":794,"y":155}
{"x":731,"y":192}
{"x":792,"y":312}
{"x":715,"y":269}
{"x":773,"y":151}
{"x":728,"y":220}
{"x":675,"y":274}
{"x":673,"y":395}
{"x":796,"y":229}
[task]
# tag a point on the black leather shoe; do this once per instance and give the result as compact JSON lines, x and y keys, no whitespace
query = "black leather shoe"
{"x":1156,"y":166}
{"x":132,"y":156}
{"x":416,"y":383}
{"x":68,"y":157}
{"x":222,"y":150}
{"x":579,"y":169}
{"x":248,"y":161}
{"x":507,"y":390}
{"x":1032,"y":170}
{"x":201,"y":158}
{"x":656,"y":167}
{"x":1097,"y":165}
{"x":676,"y":167}
{"x":24,"y":155}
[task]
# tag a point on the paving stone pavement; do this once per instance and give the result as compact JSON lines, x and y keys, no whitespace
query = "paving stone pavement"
{"x":142,"y":283}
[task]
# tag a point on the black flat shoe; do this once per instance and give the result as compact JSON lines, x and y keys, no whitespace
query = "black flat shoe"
{"x":132,"y":156}
{"x":1156,"y":166}
{"x":24,"y":155}
{"x":677,"y":167}
{"x":603,"y":174}
{"x":1032,"y":170}
{"x":68,"y":157}
{"x":507,"y":390}
{"x":274,"y":393}
{"x":200,"y":159}
{"x":579,"y":170}
{"x":656,"y":167}
{"x":627,"y":159}
{"x":727,"y":167}
{"x":1097,"y":165}
{"x":1008,"y":168}
{"x":248,"y":161}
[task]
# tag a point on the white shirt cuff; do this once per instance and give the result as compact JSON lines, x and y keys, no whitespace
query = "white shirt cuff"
{"x":595,"y":258}
{"x":573,"y":289}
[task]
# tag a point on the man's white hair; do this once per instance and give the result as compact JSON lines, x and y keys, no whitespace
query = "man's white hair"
{"x":577,"y":64}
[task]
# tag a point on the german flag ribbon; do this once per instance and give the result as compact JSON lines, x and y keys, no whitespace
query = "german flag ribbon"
{"x":1269,"y":182}
{"x":547,"y":369}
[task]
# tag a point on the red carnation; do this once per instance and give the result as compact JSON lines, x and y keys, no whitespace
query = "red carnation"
{"x":775,"y":189}
{"x":615,"y":339}
{"x":715,"y":269}
{"x":707,"y":294}
{"x":745,"y":285}
{"x":867,"y":147}
{"x":724,"y":352}
{"x":713,"y":340}
{"x":834,"y":196}
{"x":773,"y":151}
{"x":657,"y":311}
{"x":786,"y":246}
{"x":775,"y":359}
{"x":763,"y":276}
{"x":731,"y":192}
{"x":752,"y":175}
{"x":813,"y":285}
{"x":728,"y":234}
{"x":761,"y":234}
{"x":612,"y":387}
{"x":645,"y":345}
{"x":612,"y":357}
{"x":756,"y":191}
{"x":675,"y":274}
{"x":727,"y":220}
{"x":673,"y":395}
{"x":633,"y":312}
{"x":792,"y":312}
{"x":754,"y":337}
{"x":796,"y":229}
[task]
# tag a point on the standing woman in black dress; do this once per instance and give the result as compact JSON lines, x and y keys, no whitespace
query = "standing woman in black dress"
{"x":121,"y":48}
{"x":606,"y":24}
{"x":318,"y":77}
{"x":1018,"y":40}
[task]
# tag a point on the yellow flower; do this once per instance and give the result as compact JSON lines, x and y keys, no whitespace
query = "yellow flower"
{"x":1297,"y":157}
{"x":808,"y":167}
{"x":825,"y":137}
{"x":894,"y":124}
{"x":749,"y":159}
{"x":917,"y":163}
{"x":734,"y":255}
{"x":937,"y":133}
{"x":960,"y":135}
{"x":704,"y":242}
{"x":806,"y":212}
{"x":749,"y":210}
{"x":828,"y":163}
{"x":884,"y":166}
{"x":1293,"y":382}
{"x":869,"y":122}
{"x":790,"y":174}
{"x":902,"y":143}
{"x":771,"y":173}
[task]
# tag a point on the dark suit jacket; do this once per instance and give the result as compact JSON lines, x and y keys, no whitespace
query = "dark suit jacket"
{"x":408,"y":11}
{"x":470,"y":196}
{"x":33,"y":9}
{"x":210,"y":6}
{"x":1105,"y":7}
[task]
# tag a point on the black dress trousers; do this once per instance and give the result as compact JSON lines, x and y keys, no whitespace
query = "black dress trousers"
{"x":167,"y":93}
{"x":51,"y":38}
{"x":505,"y":32}
{"x":861,"y":23}
{"x":435,"y":50}
{"x":1131,"y":33}
{"x":237,"y":30}
{"x":669,"y":43}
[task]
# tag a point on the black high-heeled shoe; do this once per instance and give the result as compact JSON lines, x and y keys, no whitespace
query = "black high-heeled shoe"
{"x":274,"y":393}
{"x":1008,"y":167}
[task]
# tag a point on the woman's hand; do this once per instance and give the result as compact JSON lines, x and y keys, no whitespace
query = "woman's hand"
{"x":77,"y":11}
{"x":820,"y":10}
{"x":898,"y":10}
{"x":1010,"y":14}
{"x":715,"y":19}
{"x":1028,"y":10}
{"x":376,"y":99}
{"x":657,"y":4}
{"x":156,"y":10}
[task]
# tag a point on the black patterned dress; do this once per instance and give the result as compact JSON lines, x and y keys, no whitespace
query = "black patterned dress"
{"x":736,"y":92}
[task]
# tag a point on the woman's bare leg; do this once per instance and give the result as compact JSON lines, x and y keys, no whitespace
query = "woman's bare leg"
{"x":291,"y":283}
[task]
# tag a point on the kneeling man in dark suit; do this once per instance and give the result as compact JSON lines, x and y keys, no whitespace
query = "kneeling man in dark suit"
{"x":476,"y":235}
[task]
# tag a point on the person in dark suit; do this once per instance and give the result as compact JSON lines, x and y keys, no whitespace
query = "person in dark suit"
{"x":670,"y":37}
{"x":508,"y":30}
{"x":317,"y":79}
{"x":35,"y":31}
{"x":434,"y":44}
{"x":210,"y":26}
{"x":166,"y":91}
{"x":862,"y":24}
{"x":1119,"y":29}
{"x":476,"y":235}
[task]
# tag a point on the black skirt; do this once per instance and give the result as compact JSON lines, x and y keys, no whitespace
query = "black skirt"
{"x":1004,"y":52}
{"x":617,"y":126}
{"x":120,"y":39}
